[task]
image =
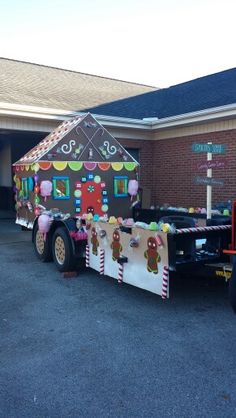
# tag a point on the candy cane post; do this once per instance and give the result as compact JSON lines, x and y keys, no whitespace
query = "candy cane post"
{"x":87,"y":256}
{"x":102,"y":257}
{"x":165,"y":279}
{"x":120,"y":273}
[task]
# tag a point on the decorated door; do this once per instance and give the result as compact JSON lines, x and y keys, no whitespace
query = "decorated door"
{"x":91,"y":195}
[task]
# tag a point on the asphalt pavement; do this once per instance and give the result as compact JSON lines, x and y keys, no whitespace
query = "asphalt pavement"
{"x":87,"y":347}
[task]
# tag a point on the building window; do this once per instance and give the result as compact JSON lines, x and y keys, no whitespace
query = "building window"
{"x":134,"y":152}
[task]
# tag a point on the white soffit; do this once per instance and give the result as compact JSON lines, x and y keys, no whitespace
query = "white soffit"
{"x":148,"y":124}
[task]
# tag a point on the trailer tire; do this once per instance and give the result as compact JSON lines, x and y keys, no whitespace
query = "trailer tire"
{"x":62,"y":250}
{"x":232,"y":290}
{"x":42,"y":247}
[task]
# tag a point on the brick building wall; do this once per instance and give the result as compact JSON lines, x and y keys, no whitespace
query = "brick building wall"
{"x":175,"y":166}
{"x":168,"y":168}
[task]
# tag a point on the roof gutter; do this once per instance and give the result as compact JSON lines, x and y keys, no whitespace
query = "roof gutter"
{"x":221,"y":112}
{"x":33,"y":112}
{"x":149,"y":124}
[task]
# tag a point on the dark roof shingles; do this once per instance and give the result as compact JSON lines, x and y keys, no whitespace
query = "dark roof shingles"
{"x":202,"y":93}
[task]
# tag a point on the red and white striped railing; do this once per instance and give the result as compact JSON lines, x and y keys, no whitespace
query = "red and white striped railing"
{"x":202,"y":229}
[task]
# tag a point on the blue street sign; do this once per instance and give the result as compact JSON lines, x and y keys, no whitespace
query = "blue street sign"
{"x":213,"y":148}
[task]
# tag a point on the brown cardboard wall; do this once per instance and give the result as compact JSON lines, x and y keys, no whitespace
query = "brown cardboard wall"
{"x":117,"y":206}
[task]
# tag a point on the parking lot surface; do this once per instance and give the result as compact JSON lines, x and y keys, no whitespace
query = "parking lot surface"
{"x":87,"y":347}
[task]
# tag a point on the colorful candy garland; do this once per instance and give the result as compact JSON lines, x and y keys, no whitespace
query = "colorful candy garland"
{"x":76,"y":166}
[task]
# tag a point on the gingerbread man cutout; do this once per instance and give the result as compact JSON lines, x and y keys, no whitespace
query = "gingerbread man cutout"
{"x":152,"y":255}
{"x":94,"y":241}
{"x":116,"y":245}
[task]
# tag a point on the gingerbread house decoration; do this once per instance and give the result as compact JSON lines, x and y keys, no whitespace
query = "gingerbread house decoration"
{"x":78,"y":168}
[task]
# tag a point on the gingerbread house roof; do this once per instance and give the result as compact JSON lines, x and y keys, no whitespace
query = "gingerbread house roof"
{"x":79,"y":139}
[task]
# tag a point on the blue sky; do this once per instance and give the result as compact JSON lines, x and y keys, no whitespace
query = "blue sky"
{"x":154,"y":42}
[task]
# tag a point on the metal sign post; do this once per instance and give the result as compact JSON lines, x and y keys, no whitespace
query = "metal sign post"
{"x":209,"y":186}
{"x":210,"y":149}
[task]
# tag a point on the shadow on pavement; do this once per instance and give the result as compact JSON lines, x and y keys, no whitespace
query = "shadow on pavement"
{"x":11,"y":233}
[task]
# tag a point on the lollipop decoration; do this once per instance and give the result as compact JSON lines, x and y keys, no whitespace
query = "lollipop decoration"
{"x":16,"y":190}
{"x":102,"y":233}
{"x":133,"y":188}
{"x":45,"y":189}
{"x":36,"y":196}
{"x":17,"y":183}
{"x":44,"y":222}
{"x":134,"y":241}
{"x":159,"y":241}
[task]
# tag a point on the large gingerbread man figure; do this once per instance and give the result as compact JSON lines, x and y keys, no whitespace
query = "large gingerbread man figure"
{"x":116,"y":245}
{"x":94,"y":241}
{"x":152,"y":255}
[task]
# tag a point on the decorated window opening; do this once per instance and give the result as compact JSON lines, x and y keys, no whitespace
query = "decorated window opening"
{"x":120,"y":186}
{"x":61,"y":188}
{"x":25,"y":188}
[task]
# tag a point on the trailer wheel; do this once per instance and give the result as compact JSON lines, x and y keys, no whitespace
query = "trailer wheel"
{"x":42,"y":247}
{"x":232,"y":290}
{"x":62,"y":250}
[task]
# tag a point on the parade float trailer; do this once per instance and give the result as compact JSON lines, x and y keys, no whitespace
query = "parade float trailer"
{"x":76,"y":191}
